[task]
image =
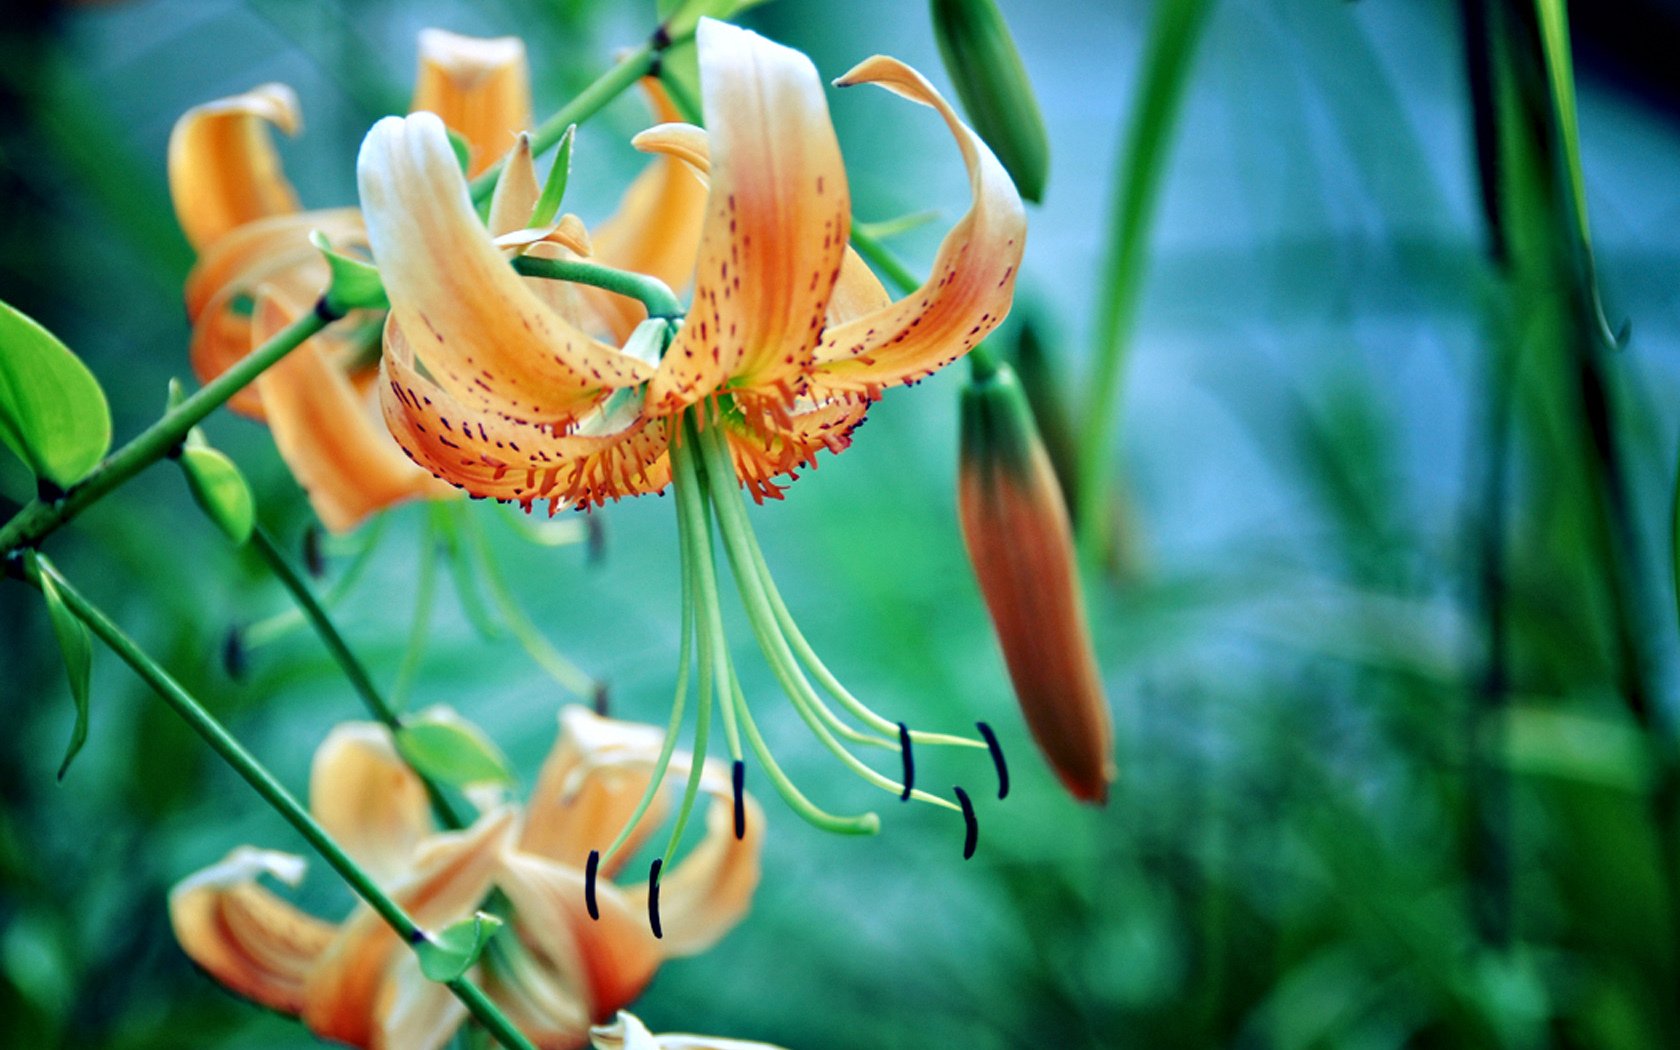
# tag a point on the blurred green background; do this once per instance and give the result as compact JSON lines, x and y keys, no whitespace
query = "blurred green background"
{"x":1381,"y":784}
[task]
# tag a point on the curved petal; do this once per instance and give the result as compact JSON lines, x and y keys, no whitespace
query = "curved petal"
{"x":221,"y":289}
{"x":603,"y":963}
{"x":450,"y":874}
{"x":775,"y":229}
{"x":368,"y":799}
{"x":551,"y":1014}
{"x":590,"y":785}
{"x":480,"y":87}
{"x":764,"y":450}
{"x":517,"y":191}
{"x":223,"y":168}
{"x":415,"y":1013}
{"x":614,"y":453}
{"x":331,"y":436}
{"x":489,"y":340}
{"x":973,"y":279}
{"x":253,"y":942}
{"x":656,"y":228}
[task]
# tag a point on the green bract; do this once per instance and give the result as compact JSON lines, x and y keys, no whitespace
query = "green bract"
{"x":52,"y":412}
{"x":446,"y":748}
{"x":77,"y":650}
{"x":220,"y":491}
{"x":355,"y":284}
{"x":447,"y":955}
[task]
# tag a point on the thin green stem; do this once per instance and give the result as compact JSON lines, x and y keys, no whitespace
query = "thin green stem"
{"x":591,"y":100}
{"x":425,"y":594}
{"x":41,"y":517}
{"x":711,"y":612}
{"x":274,"y":793}
{"x":352,"y":667}
{"x":733,"y":524}
{"x":651,"y":292}
{"x":267,"y":630}
{"x":1137,"y":191}
{"x":569,"y":675}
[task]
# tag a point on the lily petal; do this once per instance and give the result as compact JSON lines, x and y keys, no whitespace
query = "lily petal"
{"x":480,"y":87}
{"x":764,"y":451}
{"x":775,"y":229}
{"x":490,"y":341}
{"x":711,"y":888}
{"x":221,"y":289}
{"x":415,"y":1013}
{"x":613,"y":453}
{"x":589,"y":786}
{"x":450,"y":875}
{"x":223,"y":168}
{"x":253,"y":942}
{"x":656,"y":228}
{"x":339,"y":450}
{"x":973,"y":279}
{"x":368,"y":799}
{"x":627,"y":1032}
{"x":605,"y":962}
{"x":516,"y":191}
{"x":551,"y":1014}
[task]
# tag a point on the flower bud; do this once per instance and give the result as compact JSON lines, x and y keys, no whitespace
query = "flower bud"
{"x":1016,"y":528}
{"x":981,"y":59}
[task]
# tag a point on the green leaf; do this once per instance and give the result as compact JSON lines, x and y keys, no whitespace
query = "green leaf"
{"x":355,"y":283}
{"x":52,"y":412}
{"x":447,"y":955}
{"x":680,"y":17}
{"x":447,"y":748}
{"x":77,"y":648}
{"x":1587,"y":748}
{"x":461,"y":148}
{"x":220,"y":490}
{"x":554,"y":190}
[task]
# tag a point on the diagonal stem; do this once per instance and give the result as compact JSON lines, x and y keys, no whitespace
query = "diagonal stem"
{"x":274,"y":793}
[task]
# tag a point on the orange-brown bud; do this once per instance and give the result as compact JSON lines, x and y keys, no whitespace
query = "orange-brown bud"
{"x":1015,"y":525}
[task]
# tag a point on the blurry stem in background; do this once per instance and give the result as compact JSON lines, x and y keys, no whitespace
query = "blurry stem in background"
{"x":267,"y":630}
{"x":556,"y":664}
{"x":41,"y":517}
{"x":275,"y":794}
{"x":1137,"y":189}
{"x":347,"y":662}
{"x":425,"y":592}
{"x":606,"y":87}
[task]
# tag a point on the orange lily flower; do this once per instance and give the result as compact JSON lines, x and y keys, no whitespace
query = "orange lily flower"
{"x":627,"y":1032}
{"x":554,"y":971}
{"x":242,"y":215}
{"x":790,"y":334}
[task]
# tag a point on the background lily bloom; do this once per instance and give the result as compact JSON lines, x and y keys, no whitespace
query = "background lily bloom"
{"x":494,"y":389}
{"x":238,"y":210}
{"x":628,"y":1033}
{"x":554,"y":970}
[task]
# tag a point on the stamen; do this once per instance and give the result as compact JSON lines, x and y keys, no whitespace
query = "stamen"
{"x":738,"y":777}
{"x":971,"y":827}
{"x":817,"y":817}
{"x":909,"y":761}
{"x":653,"y":898}
{"x":997,"y":758}
{"x":589,"y":872}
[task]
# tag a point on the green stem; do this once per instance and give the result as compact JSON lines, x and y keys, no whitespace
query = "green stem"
{"x":347,"y":661}
{"x":425,"y":594}
{"x":591,"y":100}
{"x":267,"y":630}
{"x":275,"y":794}
{"x":1137,"y":190}
{"x":41,"y":517}
{"x":649,"y":291}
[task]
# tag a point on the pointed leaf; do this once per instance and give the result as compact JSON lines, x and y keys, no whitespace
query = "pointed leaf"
{"x":220,"y":490}
{"x":355,"y":283}
{"x":52,"y":412}
{"x":447,"y":955}
{"x":77,"y":648}
{"x":447,"y":748}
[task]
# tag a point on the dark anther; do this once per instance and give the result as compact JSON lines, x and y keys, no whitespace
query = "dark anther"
{"x":233,"y":654}
{"x":971,"y":827}
{"x":602,"y":699}
{"x":661,"y":38}
{"x":594,"y":539}
{"x":589,"y":872}
{"x":739,"y":777}
{"x":313,"y":559}
{"x":909,"y":761}
{"x":653,"y":898}
{"x":997,"y":758}
{"x":325,"y":312}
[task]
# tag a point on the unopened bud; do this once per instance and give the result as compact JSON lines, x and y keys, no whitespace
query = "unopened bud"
{"x":1015,"y":525}
{"x":992,"y":82}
